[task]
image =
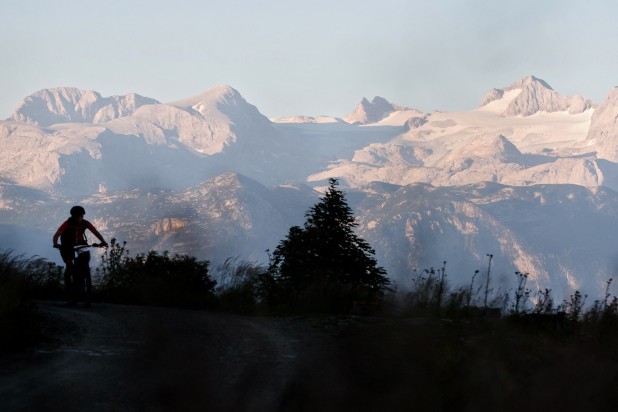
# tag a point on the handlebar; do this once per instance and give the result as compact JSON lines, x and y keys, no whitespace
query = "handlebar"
{"x":82,"y":247}
{"x":98,"y":245}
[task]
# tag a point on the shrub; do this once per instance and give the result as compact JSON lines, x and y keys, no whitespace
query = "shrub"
{"x":154,"y":279}
{"x":46,"y":279}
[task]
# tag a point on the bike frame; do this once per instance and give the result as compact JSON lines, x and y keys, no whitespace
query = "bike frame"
{"x":82,"y":279}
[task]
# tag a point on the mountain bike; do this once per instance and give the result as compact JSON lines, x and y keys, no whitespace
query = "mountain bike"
{"x":80,"y":288}
{"x":82,"y":280}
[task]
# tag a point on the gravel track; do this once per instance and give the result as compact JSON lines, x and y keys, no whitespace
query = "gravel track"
{"x":131,"y":358}
{"x":134,"y":358}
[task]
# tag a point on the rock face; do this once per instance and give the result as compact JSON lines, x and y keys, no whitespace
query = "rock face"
{"x":71,"y":105}
{"x":603,"y":132}
{"x":415,"y":122}
{"x":537,"y":96}
{"x":492,"y":95}
{"x":414,"y":224}
{"x":167,"y":225}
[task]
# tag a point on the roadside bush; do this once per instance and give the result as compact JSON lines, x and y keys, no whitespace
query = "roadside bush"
{"x":154,"y":279}
{"x":46,"y":279}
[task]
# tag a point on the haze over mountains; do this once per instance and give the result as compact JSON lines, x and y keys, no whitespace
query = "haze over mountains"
{"x":530,"y":176}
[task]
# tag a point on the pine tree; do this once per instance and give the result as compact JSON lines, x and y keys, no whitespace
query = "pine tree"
{"x":327,"y":255}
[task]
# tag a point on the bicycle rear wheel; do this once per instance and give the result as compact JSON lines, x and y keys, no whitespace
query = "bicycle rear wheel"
{"x":82,"y":279}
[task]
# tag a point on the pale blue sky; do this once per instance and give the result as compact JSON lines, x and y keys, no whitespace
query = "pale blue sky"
{"x":313,"y":57}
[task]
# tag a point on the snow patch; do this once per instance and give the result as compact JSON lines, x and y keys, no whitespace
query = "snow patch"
{"x":499,"y":106}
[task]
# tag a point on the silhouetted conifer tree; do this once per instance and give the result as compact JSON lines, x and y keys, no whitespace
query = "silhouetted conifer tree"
{"x":327,"y":253}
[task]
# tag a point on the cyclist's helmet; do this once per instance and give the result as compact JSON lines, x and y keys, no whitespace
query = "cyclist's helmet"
{"x":77,"y":211}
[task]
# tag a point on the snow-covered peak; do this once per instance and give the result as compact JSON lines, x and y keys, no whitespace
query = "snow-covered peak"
{"x":211,"y":98}
{"x":371,"y":112}
{"x":531,"y":81}
{"x":531,"y":95}
{"x":225,"y":103}
{"x":72,"y":105}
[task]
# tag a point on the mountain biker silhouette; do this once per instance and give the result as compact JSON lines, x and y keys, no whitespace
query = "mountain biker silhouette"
{"x":72,"y":235}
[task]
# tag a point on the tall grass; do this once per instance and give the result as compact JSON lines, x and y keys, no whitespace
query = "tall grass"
{"x":14,"y":290}
{"x":239,"y":286}
{"x":432,"y":296}
{"x":21,"y":280}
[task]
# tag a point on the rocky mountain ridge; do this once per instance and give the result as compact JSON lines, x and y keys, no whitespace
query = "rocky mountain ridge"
{"x":71,"y":105}
{"x":529,"y":177}
{"x":372,"y":112}
{"x":534,"y":95}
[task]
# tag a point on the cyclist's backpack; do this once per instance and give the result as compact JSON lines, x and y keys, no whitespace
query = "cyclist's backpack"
{"x":67,"y":238}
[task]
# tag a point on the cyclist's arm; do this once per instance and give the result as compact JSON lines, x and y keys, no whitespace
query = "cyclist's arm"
{"x":61,"y":229}
{"x":96,"y":232}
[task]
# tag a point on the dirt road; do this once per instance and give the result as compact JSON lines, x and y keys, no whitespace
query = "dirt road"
{"x":126,"y":358}
{"x":131,"y":358}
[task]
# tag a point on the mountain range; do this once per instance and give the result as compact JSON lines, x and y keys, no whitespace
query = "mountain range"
{"x":528,"y":177}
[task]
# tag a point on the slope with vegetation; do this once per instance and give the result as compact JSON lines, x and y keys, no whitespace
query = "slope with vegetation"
{"x":437,"y":346}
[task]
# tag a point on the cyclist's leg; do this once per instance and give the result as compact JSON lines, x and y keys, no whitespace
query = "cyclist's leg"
{"x":69,"y":284}
{"x":78,"y":276}
{"x":87,"y":278}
